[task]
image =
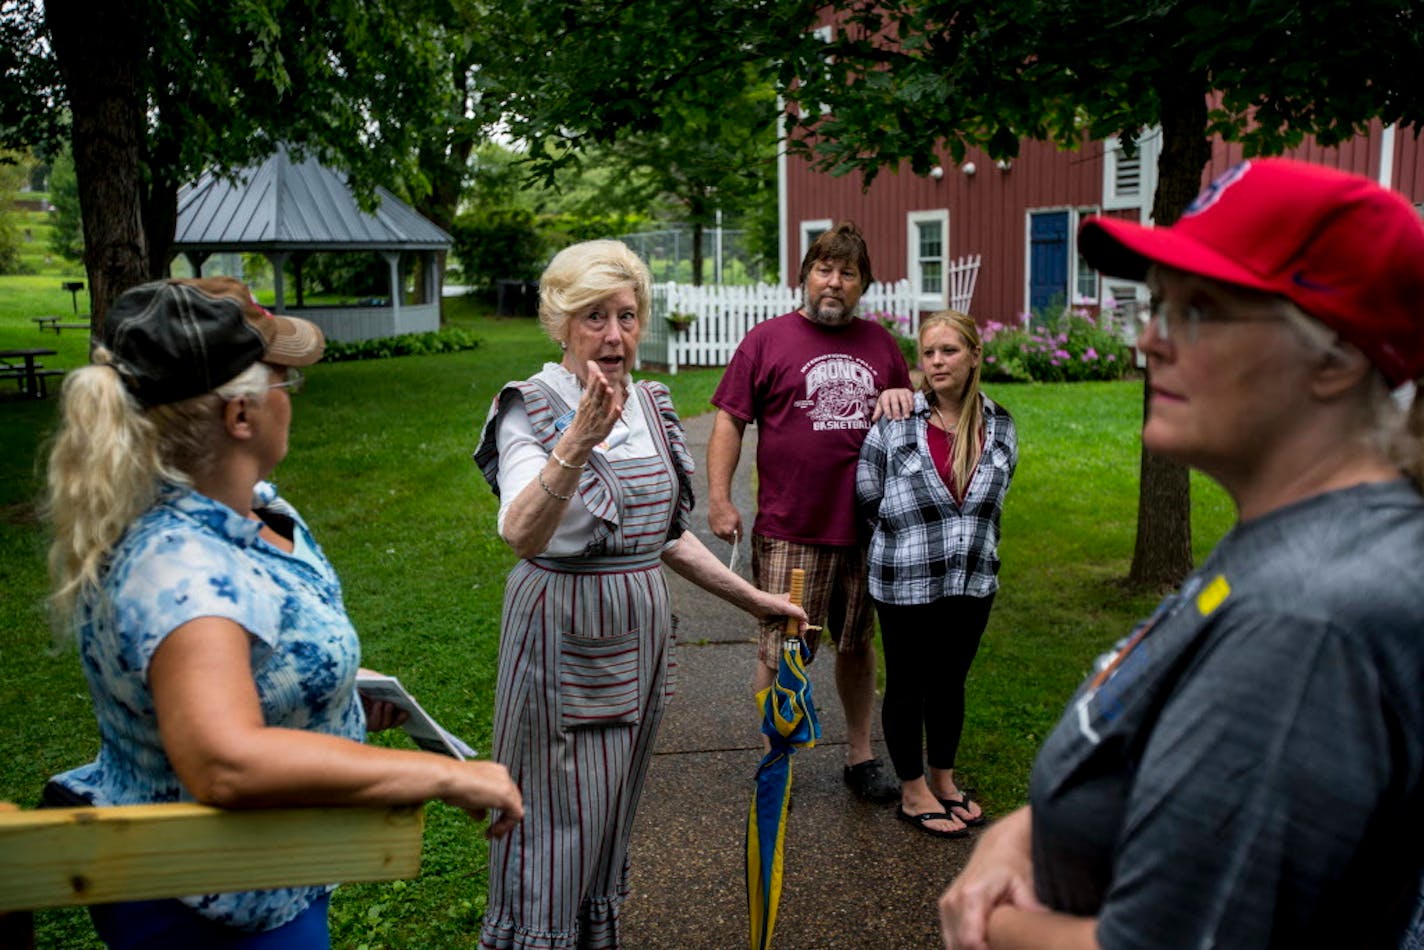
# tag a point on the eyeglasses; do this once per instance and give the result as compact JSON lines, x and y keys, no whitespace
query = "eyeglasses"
{"x":293,"y":383}
{"x":1189,"y":319}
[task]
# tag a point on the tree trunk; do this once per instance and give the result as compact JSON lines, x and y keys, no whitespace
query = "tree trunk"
{"x":447,"y":169}
{"x":447,"y":182}
{"x":160,"y":222}
{"x":162,"y":159}
{"x":417,"y":277}
{"x":697,"y":233}
{"x":1162,"y":554}
{"x":100,"y":49}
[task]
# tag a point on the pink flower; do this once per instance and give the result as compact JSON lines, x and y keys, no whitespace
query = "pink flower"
{"x":1062,"y":355}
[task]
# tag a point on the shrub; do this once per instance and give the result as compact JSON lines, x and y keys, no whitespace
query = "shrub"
{"x":448,"y":340}
{"x":66,"y":237}
{"x":1067,"y":346}
{"x":347,"y":274}
{"x":498,"y":244}
{"x":899,"y":327}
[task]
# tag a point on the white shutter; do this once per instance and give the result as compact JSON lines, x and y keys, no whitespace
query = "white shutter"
{"x":1130,"y":182}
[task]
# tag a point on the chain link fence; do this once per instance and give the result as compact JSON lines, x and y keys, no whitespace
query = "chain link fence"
{"x":725,"y":256}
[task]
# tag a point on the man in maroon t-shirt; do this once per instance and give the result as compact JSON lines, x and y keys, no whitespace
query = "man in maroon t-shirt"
{"x":813,"y":380}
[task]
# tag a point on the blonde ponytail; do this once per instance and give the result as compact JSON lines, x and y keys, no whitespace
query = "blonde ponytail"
{"x":104,"y":470}
{"x":107,"y":463}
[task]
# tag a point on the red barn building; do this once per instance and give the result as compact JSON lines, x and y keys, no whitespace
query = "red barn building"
{"x":1022,"y":217}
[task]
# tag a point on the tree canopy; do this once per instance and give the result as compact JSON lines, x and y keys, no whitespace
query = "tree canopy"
{"x":661,"y":94}
{"x":899,"y":82}
{"x":151,"y":94}
{"x":398,"y":94}
{"x":1055,"y":70}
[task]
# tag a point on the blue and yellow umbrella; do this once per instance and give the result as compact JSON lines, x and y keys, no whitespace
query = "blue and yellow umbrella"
{"x":789,"y":721}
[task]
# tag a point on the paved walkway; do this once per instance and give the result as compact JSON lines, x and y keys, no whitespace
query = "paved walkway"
{"x":855,"y":877}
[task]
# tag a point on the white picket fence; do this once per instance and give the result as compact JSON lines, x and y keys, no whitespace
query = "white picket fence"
{"x":963,"y":274}
{"x":725,"y":314}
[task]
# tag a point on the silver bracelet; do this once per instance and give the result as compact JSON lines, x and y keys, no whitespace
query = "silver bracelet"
{"x":563,"y":464}
{"x":550,"y":492}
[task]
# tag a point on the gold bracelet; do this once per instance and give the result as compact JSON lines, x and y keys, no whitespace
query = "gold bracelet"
{"x":550,"y":492}
{"x":563,"y":464}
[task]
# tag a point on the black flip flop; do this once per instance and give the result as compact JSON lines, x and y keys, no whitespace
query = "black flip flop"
{"x":919,"y":822}
{"x":962,"y":802}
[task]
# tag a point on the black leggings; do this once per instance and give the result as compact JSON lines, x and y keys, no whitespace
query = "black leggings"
{"x":928,"y":649}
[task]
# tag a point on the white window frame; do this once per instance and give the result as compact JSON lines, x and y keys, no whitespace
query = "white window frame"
{"x":1118,"y":171}
{"x":810,"y":230}
{"x":1078,"y":263}
{"x":1130,"y":297}
{"x":914,"y":263}
{"x":1076,"y":214}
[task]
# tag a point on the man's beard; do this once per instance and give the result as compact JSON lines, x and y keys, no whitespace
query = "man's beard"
{"x":827,"y":317}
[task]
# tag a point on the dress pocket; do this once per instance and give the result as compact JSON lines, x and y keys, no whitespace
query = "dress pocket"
{"x":598,"y":681}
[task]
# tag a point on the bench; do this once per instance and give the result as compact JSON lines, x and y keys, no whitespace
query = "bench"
{"x":39,"y":378}
{"x":56,"y":324}
{"x":43,"y":375}
{"x":64,"y":857}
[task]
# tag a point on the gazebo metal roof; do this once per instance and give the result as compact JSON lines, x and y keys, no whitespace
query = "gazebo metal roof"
{"x":284,"y":206}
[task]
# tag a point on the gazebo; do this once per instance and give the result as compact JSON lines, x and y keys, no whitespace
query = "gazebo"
{"x":284,"y":210}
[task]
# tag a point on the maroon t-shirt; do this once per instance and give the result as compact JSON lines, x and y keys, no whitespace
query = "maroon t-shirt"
{"x":811,"y":389}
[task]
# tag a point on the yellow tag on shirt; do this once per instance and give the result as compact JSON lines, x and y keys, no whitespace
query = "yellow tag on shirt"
{"x":1212,"y":595}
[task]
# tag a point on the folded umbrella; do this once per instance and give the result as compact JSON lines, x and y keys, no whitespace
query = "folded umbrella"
{"x":789,"y":721}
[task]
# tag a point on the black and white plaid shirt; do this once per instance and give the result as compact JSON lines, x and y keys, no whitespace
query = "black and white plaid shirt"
{"x":926,"y":546}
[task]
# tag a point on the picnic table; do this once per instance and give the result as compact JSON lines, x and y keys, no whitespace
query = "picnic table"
{"x":59,"y":323}
{"x":23,"y":366}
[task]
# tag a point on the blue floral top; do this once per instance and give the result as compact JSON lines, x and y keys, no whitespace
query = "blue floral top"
{"x":187,"y":557}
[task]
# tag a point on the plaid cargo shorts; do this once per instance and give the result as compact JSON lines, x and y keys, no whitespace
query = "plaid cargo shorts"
{"x":835,"y":596}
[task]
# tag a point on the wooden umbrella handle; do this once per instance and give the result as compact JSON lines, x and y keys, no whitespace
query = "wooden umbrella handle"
{"x":798,"y":587}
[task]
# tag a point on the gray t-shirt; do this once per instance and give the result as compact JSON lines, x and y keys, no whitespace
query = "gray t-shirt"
{"x":1250,"y":773}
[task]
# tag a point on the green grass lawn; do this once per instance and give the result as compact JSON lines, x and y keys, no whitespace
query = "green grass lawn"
{"x":380,"y":465}
{"x":34,"y":228}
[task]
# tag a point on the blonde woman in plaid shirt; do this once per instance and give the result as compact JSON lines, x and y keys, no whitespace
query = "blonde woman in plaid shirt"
{"x":932,"y":488}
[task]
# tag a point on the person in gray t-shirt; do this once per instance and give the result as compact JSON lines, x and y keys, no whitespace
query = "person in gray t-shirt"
{"x":1246,"y":768}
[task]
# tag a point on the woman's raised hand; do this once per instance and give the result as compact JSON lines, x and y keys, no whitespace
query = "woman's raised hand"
{"x":600,"y":407}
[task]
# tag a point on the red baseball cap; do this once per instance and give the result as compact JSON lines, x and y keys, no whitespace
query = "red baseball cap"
{"x":1342,"y":248}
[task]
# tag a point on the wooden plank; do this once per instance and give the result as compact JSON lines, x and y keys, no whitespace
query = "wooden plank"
{"x":68,"y":856}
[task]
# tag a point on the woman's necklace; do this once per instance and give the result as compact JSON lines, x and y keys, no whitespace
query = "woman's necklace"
{"x":948,"y":429}
{"x":948,"y":444}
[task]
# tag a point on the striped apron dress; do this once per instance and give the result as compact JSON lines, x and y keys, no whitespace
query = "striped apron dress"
{"x":584,"y":676}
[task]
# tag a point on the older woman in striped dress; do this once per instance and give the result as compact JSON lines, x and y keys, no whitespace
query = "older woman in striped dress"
{"x":594,"y":480}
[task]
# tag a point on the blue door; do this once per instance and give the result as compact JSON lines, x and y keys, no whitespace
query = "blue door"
{"x":1047,"y":259}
